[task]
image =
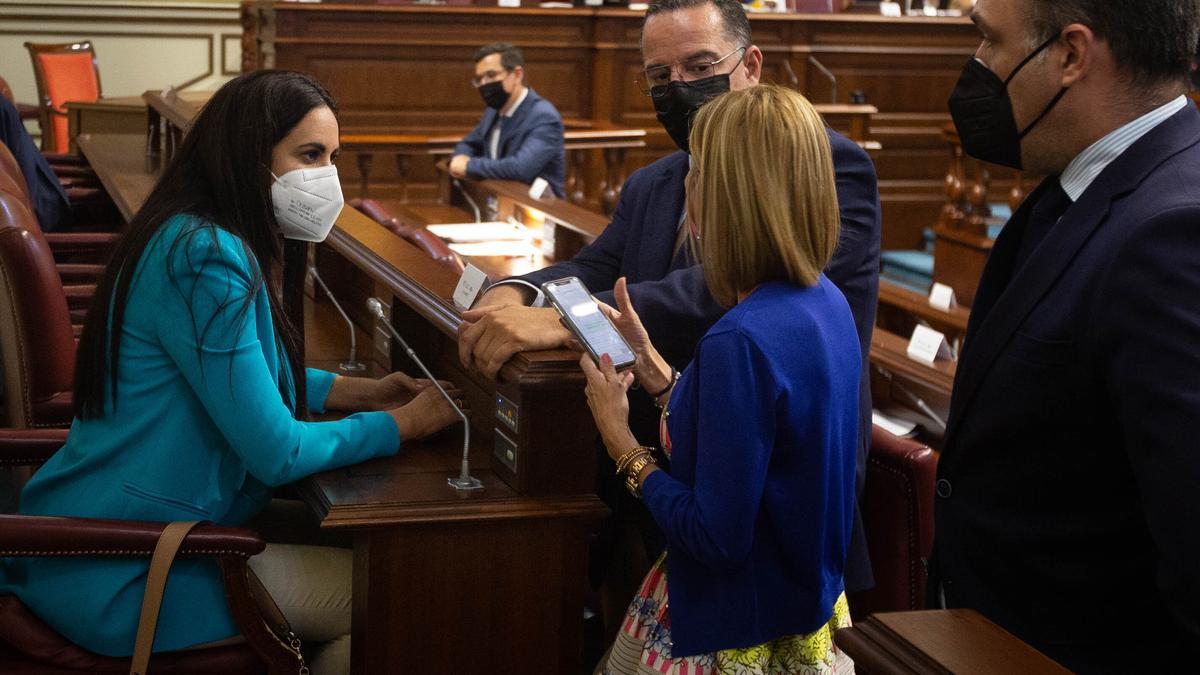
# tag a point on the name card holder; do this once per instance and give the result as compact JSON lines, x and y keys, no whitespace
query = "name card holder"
{"x":927,"y":346}
{"x":942,"y":297}
{"x":472,"y":282}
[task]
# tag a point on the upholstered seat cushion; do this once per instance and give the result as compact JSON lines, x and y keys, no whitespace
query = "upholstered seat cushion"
{"x":29,"y":646}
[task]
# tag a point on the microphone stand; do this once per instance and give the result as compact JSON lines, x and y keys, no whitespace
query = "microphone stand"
{"x":464,"y":480}
{"x":353,"y":365}
{"x":467,"y":196}
{"x":828,"y":75}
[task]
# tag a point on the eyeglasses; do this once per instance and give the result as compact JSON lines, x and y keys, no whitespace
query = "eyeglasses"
{"x":489,"y":76}
{"x":653,"y":81}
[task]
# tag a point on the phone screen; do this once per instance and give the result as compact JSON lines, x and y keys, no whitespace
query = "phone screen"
{"x":587,"y":322}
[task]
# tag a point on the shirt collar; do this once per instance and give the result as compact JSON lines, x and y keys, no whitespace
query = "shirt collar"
{"x":1087,"y":165}
{"x":520,"y":100}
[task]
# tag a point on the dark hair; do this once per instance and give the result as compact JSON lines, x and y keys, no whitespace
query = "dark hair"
{"x":1151,"y":40}
{"x":733,"y":16}
{"x":220,"y":173}
{"x":510,"y":56}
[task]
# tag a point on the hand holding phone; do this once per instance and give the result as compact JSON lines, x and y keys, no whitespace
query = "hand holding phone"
{"x":582,"y":316}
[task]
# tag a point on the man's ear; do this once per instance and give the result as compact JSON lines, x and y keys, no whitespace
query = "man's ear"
{"x":519,"y":71}
{"x":1082,"y":48}
{"x":752,"y":61}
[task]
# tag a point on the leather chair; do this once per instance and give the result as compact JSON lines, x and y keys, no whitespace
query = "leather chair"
{"x":37,"y":341}
{"x":897,"y":510}
{"x":38,"y":349}
{"x":76,"y":281}
{"x":63,"y":73}
{"x":431,"y":244}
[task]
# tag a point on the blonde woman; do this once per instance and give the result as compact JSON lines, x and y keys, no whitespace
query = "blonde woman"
{"x":761,"y":426}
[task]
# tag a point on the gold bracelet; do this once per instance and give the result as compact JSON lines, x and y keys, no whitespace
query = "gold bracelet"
{"x":624,"y":460}
{"x":634,"y":470}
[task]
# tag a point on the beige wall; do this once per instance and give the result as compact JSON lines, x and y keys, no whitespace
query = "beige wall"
{"x":140,"y":44}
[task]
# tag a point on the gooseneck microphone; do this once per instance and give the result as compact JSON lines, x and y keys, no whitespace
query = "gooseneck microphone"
{"x":353,"y":365}
{"x":464,"y":480}
{"x":828,"y":75}
{"x":467,"y":196}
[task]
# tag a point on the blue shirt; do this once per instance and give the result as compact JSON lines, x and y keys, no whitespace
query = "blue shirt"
{"x":200,"y":430}
{"x":758,"y":506}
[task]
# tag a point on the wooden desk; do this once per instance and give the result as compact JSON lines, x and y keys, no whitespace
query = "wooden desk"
{"x":126,"y":171}
{"x":897,"y":380}
{"x":939,"y":642}
{"x":901,"y":309}
{"x":579,"y":136}
{"x":478,"y":582}
{"x":124,"y":115}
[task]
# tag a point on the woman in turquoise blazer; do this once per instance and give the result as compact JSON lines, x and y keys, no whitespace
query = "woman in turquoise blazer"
{"x":191,"y":400}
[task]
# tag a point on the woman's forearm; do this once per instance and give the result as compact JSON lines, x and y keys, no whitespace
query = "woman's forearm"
{"x":351,"y":393}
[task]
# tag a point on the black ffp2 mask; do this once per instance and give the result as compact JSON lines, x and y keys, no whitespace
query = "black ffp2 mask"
{"x":493,"y":94}
{"x":676,"y":102}
{"x":983,"y":114}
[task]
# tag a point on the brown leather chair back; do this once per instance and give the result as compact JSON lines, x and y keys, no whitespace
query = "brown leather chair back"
{"x":11,"y":178}
{"x":897,"y":510}
{"x":37,"y":344}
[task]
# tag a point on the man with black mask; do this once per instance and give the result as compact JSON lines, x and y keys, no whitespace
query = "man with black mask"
{"x":692,"y":50}
{"x":521,"y":134}
{"x":1067,"y":505}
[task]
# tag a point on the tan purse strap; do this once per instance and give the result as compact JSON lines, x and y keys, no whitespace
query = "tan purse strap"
{"x":156,"y":582}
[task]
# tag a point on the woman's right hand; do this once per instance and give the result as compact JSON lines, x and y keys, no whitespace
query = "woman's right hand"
{"x":651,"y":370}
{"x":427,"y":413}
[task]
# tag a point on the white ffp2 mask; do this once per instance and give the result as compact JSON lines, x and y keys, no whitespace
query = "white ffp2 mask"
{"x":307,"y":202}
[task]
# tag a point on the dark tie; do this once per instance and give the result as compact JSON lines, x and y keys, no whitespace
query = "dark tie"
{"x":1053,"y":203}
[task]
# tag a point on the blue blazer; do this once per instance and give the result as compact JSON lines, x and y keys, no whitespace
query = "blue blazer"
{"x":1067,"y":504}
{"x":46,"y":193}
{"x":670,"y":296}
{"x":201,"y":429}
{"x":531,"y":145}
{"x":758,"y":514}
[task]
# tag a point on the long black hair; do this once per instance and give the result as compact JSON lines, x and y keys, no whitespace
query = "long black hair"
{"x":220,"y":173}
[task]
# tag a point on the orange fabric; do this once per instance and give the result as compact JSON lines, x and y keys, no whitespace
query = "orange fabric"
{"x":69,"y":77}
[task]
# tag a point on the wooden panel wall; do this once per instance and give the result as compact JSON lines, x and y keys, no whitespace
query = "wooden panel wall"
{"x":407,"y":67}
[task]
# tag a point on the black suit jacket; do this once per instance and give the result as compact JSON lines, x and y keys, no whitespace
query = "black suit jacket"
{"x":1068,"y":506}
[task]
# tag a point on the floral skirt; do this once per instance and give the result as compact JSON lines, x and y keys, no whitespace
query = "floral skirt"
{"x":643,"y":645}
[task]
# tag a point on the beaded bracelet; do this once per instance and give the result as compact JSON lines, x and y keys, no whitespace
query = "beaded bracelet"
{"x":670,"y":383}
{"x":626,"y":459}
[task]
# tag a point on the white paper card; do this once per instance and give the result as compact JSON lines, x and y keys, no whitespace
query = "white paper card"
{"x":510,"y":3}
{"x":506,"y":249}
{"x":927,"y":345}
{"x":942,"y":297}
{"x":539,"y":189}
{"x":890,"y":9}
{"x":470,"y":285}
{"x":493,"y":230}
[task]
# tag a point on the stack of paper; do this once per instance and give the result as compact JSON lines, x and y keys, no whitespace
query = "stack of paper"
{"x":509,"y":249}
{"x":487,"y":231}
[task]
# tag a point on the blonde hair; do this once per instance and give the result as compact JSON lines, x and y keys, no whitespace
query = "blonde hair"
{"x":761,"y":191}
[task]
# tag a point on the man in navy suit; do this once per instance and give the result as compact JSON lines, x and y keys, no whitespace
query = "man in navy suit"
{"x":691,"y":49}
{"x":521,"y":134}
{"x":1068,"y":492}
{"x":49,"y":200}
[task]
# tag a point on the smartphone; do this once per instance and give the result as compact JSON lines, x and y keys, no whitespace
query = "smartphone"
{"x":583,"y":317}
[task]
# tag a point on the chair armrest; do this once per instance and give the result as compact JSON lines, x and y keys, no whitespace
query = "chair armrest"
{"x":29,"y":447}
{"x":38,"y":536}
{"x":373,"y":210}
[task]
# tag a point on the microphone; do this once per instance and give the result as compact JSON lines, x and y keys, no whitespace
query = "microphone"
{"x":467,"y":196}
{"x":464,"y":480}
{"x":828,"y":75}
{"x":353,"y":365}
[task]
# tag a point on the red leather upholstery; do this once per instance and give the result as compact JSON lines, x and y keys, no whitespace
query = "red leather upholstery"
{"x":897,"y":509}
{"x":37,"y":343}
{"x":432,"y":245}
{"x":31,"y":641}
{"x":29,"y":447}
{"x":34,"y":647}
{"x":64,"y":73}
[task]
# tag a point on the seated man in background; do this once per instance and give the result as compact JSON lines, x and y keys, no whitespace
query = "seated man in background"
{"x":521,"y":134}
{"x":45,"y":192}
